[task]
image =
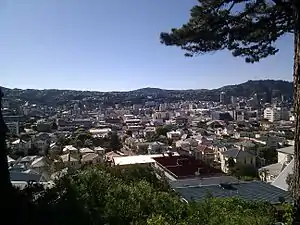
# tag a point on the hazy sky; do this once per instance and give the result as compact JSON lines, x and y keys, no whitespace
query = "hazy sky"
{"x":113,"y":45}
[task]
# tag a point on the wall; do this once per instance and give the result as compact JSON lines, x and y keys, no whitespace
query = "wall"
{"x":282,"y":157}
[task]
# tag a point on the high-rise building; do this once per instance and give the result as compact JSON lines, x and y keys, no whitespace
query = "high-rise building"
{"x":255,"y":99}
{"x":233,"y":100}
{"x":272,"y":114}
{"x":222,"y":97}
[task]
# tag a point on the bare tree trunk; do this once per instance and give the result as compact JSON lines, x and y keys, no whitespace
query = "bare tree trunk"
{"x":6,"y":187}
{"x":4,"y":173}
{"x":296,"y":182}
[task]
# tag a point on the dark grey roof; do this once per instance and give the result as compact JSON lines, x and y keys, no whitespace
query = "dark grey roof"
{"x":21,"y":176}
{"x":254,"y":190}
{"x":236,"y":153}
{"x":216,"y":180}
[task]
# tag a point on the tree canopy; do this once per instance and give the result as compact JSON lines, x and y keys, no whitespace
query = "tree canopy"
{"x":132,"y":195}
{"x":247,"y":28}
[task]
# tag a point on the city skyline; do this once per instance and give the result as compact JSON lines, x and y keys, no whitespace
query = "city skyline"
{"x":166,"y":89}
{"x":114,"y":46}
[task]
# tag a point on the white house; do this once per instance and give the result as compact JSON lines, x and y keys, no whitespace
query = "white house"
{"x":174,"y":135}
{"x":239,"y":156}
{"x":271,"y":172}
{"x":70,"y":149}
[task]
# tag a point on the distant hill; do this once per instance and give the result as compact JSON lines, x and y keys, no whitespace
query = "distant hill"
{"x":269,"y":88}
{"x":260,"y":87}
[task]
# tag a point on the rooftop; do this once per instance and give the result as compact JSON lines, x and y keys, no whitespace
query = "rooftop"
{"x":184,"y":166}
{"x":89,"y":157}
{"x":86,"y":150}
{"x":237,"y":153}
{"x":253,"y":190}
{"x":136,"y":159}
{"x":192,"y":182}
{"x":280,"y":181}
{"x":287,"y":150}
{"x":21,"y":176}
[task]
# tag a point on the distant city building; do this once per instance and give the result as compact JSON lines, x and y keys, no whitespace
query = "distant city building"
{"x":150,"y":103}
{"x":282,"y":98}
{"x":136,"y":106}
{"x":13,"y":128}
{"x":160,"y":115}
{"x":5,"y":103}
{"x":252,"y":115}
{"x":242,"y":105}
{"x":222,"y":97}
{"x":238,"y":115}
{"x":255,"y":99}
{"x":221,"y":116}
{"x":233,"y":100}
{"x":163,"y":107}
{"x":272,"y":114}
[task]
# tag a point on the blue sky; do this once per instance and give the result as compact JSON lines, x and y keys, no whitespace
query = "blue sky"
{"x":113,"y":45}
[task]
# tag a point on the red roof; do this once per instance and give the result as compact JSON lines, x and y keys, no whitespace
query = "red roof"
{"x":184,"y":166}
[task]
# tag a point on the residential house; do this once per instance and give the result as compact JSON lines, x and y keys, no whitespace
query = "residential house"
{"x":177,"y":167}
{"x":83,"y":151}
{"x":70,"y":160}
{"x":156,"y":147}
{"x":205,"y":153}
{"x":245,"y":146}
{"x":185,"y":147}
{"x":41,"y":165}
{"x":285,"y":154}
{"x":108,"y":157}
{"x":21,"y":145}
{"x":99,"y":150}
{"x":239,"y":156}
{"x":42,"y":142}
{"x":174,"y":135}
{"x":10,"y":161}
{"x":284,"y":158}
{"x":222,"y":131}
{"x":149,"y":132}
{"x":70,"y":149}
{"x":90,"y":159}
{"x":54,"y":149}
{"x":130,"y":143}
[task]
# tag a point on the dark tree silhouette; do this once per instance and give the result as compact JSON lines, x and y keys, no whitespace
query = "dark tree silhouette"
{"x":247,"y":28}
{"x":114,"y":141}
{"x":4,"y":173}
{"x":230,"y":163}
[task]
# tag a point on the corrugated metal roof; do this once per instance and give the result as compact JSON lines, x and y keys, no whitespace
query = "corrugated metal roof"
{"x":192,"y":182}
{"x":254,"y":190}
